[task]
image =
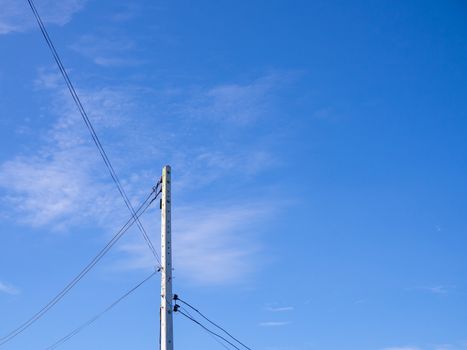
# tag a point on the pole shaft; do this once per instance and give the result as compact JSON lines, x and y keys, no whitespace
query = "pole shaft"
{"x":166,"y":259}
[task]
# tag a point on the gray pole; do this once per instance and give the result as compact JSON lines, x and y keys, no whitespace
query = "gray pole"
{"x":166,"y":268}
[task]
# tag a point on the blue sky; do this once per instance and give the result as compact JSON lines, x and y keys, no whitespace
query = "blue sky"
{"x":319,"y":158}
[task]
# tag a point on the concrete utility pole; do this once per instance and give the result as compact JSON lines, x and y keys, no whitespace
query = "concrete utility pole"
{"x":166,"y":268}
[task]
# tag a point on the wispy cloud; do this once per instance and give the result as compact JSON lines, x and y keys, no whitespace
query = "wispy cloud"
{"x":215,"y":243}
{"x":236,"y":103}
{"x":16,"y":16}
{"x":127,"y":12}
{"x":107,"y":51}
{"x":280,"y":308}
{"x":439,"y":289}
{"x":8,"y":288}
{"x":59,"y":179}
{"x":444,"y":347}
{"x":451,"y":346}
{"x":274,"y":323}
{"x":63,"y":182}
{"x":48,"y":188}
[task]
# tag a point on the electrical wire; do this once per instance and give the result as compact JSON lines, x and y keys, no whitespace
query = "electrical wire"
{"x":89,"y":126}
{"x":207,"y":329}
{"x":83,"y":272}
{"x":140,"y":211}
{"x":212,"y":336}
{"x":96,"y":317}
{"x":211,"y":322}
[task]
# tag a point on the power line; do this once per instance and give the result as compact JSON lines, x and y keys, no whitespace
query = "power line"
{"x":96,"y":317}
{"x":207,"y":329}
{"x":83,"y":272}
{"x":89,"y":126}
{"x":212,"y":336}
{"x":176,"y":297}
{"x":142,"y":208}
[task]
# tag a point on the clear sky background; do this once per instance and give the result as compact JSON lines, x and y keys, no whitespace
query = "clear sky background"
{"x":319,"y":165}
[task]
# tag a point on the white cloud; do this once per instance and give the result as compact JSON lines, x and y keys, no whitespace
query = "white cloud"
{"x":62,"y":178}
{"x":126,"y":14}
{"x":107,"y":51}
{"x":439,"y":289}
{"x":444,"y":347}
{"x":16,"y":16}
{"x":8,"y":288}
{"x":229,"y":112}
{"x":199,"y":167}
{"x":64,"y":182}
{"x":236,"y":103}
{"x":451,"y":346}
{"x":45,"y":188}
{"x":280,"y":308}
{"x":213,"y":244}
{"x":216,"y":243}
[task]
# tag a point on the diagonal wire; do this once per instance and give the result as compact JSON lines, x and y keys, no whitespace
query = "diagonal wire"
{"x":96,"y":317}
{"x":207,"y":329}
{"x":89,"y":126}
{"x":211,"y":322}
{"x":21,"y":328}
{"x":213,"y":337}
